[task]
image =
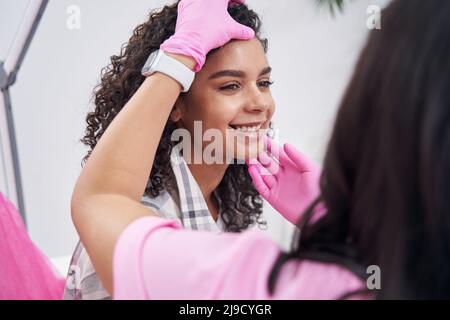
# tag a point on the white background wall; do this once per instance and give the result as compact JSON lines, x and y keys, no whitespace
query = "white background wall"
{"x":312,"y":55}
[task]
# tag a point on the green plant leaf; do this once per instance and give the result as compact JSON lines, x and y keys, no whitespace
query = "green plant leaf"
{"x":333,"y":5}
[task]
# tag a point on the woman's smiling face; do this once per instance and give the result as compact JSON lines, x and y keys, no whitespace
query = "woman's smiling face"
{"x":232,"y":91}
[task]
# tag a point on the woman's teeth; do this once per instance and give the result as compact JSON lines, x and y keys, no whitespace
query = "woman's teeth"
{"x":247,"y":129}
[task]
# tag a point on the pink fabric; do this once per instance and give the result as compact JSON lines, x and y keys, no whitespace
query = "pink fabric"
{"x":157,"y":259}
{"x":25,"y":273}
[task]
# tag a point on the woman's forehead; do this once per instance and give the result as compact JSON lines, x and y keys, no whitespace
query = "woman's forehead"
{"x":239,"y":55}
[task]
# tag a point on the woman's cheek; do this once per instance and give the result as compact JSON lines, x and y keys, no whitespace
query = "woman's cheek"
{"x":226,"y":113}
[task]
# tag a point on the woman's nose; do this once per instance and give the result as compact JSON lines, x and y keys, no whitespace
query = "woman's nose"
{"x":258,"y":101}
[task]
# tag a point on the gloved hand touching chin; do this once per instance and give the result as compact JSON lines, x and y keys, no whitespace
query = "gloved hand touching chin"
{"x":289,"y":184}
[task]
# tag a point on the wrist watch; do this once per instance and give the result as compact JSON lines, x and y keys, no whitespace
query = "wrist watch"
{"x":158,"y":61}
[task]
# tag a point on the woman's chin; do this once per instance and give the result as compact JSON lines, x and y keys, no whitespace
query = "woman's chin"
{"x":248,"y":151}
{"x":245,"y":145}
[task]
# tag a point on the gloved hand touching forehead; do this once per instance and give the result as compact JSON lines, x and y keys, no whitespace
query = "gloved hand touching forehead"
{"x":204,"y":25}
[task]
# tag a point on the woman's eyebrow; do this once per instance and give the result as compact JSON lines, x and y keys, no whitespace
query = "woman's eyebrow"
{"x":236,"y":73}
{"x":265,"y":71}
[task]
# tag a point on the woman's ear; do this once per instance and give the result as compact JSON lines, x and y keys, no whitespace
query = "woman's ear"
{"x":175,"y":115}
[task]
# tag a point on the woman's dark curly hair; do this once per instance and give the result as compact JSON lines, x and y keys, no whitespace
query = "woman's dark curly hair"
{"x":241,"y":205}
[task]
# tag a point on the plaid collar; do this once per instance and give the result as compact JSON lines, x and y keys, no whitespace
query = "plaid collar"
{"x":195,"y":214}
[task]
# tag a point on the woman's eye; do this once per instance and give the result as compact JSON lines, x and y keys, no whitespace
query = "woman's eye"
{"x":266,"y":83}
{"x":230,"y":87}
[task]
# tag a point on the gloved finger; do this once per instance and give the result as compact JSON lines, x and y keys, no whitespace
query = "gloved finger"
{"x":238,"y":30}
{"x":267,"y":176}
{"x":263,"y":171}
{"x":269,"y":179}
{"x":258,"y":181}
{"x":267,"y":162}
{"x":241,"y":32}
{"x":277,"y":152}
{"x":300,"y":160}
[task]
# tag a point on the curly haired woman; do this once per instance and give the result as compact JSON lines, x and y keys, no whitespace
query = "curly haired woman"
{"x":230,"y":94}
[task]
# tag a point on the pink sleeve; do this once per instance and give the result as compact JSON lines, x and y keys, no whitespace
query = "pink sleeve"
{"x":156,"y":259}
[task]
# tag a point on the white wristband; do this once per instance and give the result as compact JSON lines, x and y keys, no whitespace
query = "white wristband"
{"x":158,"y":61}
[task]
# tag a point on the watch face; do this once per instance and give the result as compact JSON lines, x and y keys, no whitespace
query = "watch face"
{"x":151,"y":59}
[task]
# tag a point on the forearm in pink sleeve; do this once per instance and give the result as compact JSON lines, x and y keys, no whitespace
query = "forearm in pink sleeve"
{"x":168,"y":263}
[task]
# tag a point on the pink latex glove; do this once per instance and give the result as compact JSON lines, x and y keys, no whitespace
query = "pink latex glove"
{"x":289,"y":184}
{"x":203,"y":25}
